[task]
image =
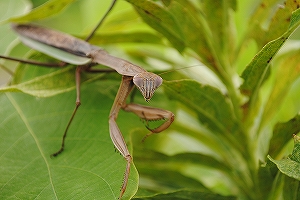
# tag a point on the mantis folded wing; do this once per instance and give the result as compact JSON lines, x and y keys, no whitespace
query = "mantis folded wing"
{"x":133,"y":75}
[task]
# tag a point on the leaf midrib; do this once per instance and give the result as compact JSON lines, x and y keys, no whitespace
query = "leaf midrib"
{"x":31,"y":132}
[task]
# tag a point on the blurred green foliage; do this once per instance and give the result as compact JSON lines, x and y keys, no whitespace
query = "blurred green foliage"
{"x":232,"y":84}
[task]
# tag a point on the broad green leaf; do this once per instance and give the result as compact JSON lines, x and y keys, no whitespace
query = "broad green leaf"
{"x":48,"y":9}
{"x":187,"y":194}
{"x":282,"y":134}
{"x":288,"y":72}
{"x":290,"y":166}
{"x":31,"y":129}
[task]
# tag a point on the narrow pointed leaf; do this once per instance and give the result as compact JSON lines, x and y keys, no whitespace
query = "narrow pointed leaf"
{"x":255,"y":73}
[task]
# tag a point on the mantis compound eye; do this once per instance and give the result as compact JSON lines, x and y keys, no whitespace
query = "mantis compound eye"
{"x":147,"y":83}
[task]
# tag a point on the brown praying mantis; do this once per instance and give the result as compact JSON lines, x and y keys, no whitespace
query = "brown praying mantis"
{"x":132,"y":75}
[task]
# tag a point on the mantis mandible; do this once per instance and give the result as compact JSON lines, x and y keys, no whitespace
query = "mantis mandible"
{"x":132,"y":75}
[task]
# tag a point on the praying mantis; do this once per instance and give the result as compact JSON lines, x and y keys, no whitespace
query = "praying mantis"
{"x":132,"y":76}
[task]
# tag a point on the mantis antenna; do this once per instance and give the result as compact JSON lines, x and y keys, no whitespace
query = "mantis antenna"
{"x":101,"y":21}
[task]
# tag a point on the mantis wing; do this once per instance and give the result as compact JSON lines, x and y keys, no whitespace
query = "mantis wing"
{"x":55,"y":43}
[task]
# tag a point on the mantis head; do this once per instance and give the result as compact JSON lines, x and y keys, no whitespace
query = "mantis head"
{"x":147,"y":83}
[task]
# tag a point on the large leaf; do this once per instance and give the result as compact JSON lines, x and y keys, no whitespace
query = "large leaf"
{"x":31,"y":129}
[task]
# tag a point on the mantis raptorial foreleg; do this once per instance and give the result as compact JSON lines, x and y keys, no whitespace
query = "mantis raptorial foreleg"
{"x":151,"y":114}
{"x":144,"y":112}
{"x":132,"y":75}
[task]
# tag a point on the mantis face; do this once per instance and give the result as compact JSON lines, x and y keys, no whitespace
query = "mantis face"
{"x":147,"y":83}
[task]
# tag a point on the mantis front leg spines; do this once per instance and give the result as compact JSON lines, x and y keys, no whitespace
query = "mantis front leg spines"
{"x":132,"y":75}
